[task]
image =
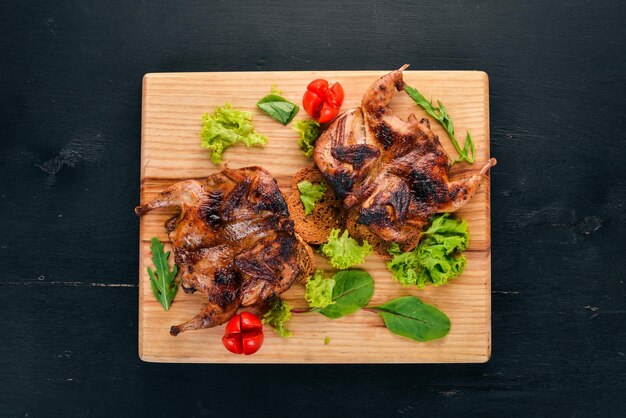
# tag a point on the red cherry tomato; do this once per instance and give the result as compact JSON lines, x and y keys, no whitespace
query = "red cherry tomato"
{"x":318,"y":87}
{"x":243,"y":334}
{"x":321,"y":101}
{"x":312,"y":103}
{"x":334,"y":95}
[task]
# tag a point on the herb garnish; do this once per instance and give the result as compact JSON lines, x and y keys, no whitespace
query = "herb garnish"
{"x":344,"y":251}
{"x":309,"y":194}
{"x":225,"y":127}
{"x":441,"y":115}
{"x":278,"y":107}
{"x":162,"y":280}
{"x":319,"y":290}
{"x":437,"y":258}
{"x":410,"y":317}
{"x":352,"y":291}
{"x":309,"y":131}
{"x":407,"y":316}
{"x":279,"y":313}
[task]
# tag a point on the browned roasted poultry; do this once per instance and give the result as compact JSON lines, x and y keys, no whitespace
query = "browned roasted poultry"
{"x":233,"y":241}
{"x":391,"y":174}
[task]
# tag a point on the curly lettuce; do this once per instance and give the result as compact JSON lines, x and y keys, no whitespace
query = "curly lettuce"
{"x":319,"y":290}
{"x":225,"y":127}
{"x":279,"y":313}
{"x":309,"y":194}
{"x":344,"y":251}
{"x":437,"y":258}
{"x":309,"y":131}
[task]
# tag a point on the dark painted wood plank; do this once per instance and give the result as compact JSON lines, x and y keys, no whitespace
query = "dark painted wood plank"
{"x":74,"y":350}
{"x":69,"y":177}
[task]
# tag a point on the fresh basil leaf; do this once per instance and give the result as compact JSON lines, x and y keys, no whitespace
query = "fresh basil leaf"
{"x":278,"y":107}
{"x":352,"y":291}
{"x":410,"y":317}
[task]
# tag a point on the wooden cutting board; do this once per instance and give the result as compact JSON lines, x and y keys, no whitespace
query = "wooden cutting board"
{"x":173,"y":105}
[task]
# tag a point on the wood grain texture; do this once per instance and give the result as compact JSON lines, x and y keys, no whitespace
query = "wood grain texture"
{"x":171,"y":120}
{"x":70,"y":164}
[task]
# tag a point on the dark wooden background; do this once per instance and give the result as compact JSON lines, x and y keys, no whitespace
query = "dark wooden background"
{"x":70,"y":77}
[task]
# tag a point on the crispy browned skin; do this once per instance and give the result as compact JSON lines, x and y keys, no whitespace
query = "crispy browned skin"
{"x":392,"y":174}
{"x":233,"y":241}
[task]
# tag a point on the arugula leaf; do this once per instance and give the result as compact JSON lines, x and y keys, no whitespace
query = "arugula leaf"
{"x":279,"y":313}
{"x":319,"y":290}
{"x":225,"y":127}
{"x":440,"y":114}
{"x":309,"y":131}
{"x":278,"y":107}
{"x":309,"y":194}
{"x":344,"y":251}
{"x":352,"y":291}
{"x":410,"y":317}
{"x":436,"y":259}
{"x":162,"y":280}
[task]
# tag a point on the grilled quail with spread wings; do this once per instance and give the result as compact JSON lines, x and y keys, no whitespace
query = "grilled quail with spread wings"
{"x":233,"y":241}
{"x":391,"y":174}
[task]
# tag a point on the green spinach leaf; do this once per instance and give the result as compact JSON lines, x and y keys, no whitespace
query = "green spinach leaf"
{"x":352,"y":291}
{"x":410,"y":317}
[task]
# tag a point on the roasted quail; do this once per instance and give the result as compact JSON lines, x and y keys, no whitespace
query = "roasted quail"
{"x":391,"y":174}
{"x":233,"y":241}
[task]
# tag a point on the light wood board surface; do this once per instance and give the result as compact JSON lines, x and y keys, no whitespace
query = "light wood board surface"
{"x":173,"y":105}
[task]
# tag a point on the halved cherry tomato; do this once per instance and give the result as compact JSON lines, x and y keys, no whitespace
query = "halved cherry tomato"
{"x":243,"y":334}
{"x":327,"y":113}
{"x":334,"y":95}
{"x":312,"y":103}
{"x":321,"y":101}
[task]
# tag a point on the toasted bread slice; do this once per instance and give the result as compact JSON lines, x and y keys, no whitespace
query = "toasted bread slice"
{"x":327,"y":214}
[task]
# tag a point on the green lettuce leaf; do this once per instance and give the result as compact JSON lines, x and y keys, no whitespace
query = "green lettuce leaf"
{"x":225,"y":127}
{"x":309,"y":194}
{"x":319,"y":290}
{"x":403,"y":266}
{"x":437,"y":258}
{"x":309,"y":131}
{"x":279,"y":313}
{"x":344,"y":251}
